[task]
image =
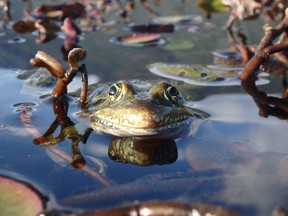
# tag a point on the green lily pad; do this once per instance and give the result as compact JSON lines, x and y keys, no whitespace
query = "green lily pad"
{"x":178,"y":19}
{"x":178,"y":45}
{"x":18,"y":198}
{"x":210,"y":75}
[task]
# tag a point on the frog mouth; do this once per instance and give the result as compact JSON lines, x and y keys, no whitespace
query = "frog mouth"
{"x":160,"y":126}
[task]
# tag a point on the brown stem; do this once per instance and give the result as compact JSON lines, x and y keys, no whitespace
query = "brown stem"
{"x":84,"y":89}
{"x":60,"y":88}
{"x":73,"y":57}
{"x":42,"y":59}
{"x":285,"y":88}
{"x":248,"y":72}
{"x":276,"y":48}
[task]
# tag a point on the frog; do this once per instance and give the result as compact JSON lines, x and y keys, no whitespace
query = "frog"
{"x":143,"y":109}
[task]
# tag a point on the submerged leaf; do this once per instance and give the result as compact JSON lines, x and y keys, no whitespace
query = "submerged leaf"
{"x":18,"y":198}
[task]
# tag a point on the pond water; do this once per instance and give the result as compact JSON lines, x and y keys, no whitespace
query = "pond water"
{"x":236,"y":158}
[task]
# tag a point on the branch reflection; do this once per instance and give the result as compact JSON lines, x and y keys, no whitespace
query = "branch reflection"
{"x":268,"y":105}
{"x":68,"y":130}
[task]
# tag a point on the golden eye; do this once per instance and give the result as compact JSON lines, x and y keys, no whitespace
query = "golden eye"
{"x":171,"y":93}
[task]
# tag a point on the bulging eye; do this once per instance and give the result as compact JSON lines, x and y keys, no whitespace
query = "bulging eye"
{"x":171,"y":93}
{"x":112,"y":91}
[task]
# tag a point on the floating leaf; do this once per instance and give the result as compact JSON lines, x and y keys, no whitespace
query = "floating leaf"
{"x":178,"y":20}
{"x":227,"y":57}
{"x":212,"y":75}
{"x":18,"y":198}
{"x":139,"y":38}
{"x":145,"y":39}
{"x":179,"y":45}
{"x":212,"y":6}
{"x":47,"y":15}
{"x":227,"y":54}
{"x":54,"y":14}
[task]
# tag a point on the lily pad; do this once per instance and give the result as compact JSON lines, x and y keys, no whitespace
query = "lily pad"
{"x":179,"y":45}
{"x":49,"y":15}
{"x":145,"y":39}
{"x":227,"y":57}
{"x":178,"y":20}
{"x":19,"y":198}
{"x":212,"y":75}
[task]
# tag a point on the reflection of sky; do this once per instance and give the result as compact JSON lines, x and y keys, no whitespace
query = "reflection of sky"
{"x":235,"y":117}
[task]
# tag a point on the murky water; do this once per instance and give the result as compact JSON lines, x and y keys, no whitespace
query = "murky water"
{"x":236,"y":159}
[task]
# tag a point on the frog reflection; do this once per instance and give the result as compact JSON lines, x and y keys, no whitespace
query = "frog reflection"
{"x":143,"y":152}
{"x":68,"y":130}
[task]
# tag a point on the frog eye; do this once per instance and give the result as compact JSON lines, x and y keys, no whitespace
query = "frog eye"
{"x":112,"y":90}
{"x":171,"y":93}
{"x":172,"y":90}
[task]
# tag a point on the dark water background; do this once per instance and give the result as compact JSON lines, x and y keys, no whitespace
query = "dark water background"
{"x":240,"y":159}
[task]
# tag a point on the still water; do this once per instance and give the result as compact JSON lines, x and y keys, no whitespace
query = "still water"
{"x":236,"y":158}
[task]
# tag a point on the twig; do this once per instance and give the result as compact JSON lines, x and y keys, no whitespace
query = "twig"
{"x":266,"y":48}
